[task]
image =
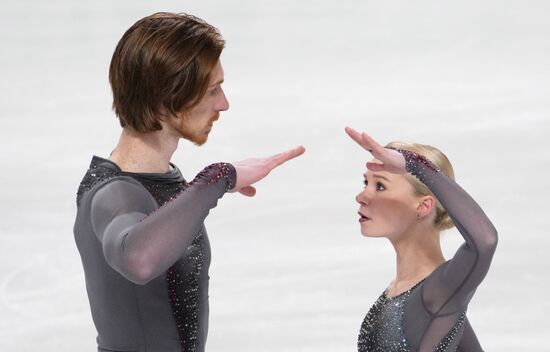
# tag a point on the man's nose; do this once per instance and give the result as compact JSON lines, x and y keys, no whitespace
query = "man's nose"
{"x":223,"y":104}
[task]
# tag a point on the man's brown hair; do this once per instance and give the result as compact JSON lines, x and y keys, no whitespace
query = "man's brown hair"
{"x":161,"y":67}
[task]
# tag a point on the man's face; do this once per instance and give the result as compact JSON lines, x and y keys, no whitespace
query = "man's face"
{"x":195,"y":125}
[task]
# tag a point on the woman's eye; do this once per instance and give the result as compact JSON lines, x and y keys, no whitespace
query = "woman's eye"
{"x":380,"y":187}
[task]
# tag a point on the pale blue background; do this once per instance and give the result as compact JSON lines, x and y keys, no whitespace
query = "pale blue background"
{"x":290,"y":269}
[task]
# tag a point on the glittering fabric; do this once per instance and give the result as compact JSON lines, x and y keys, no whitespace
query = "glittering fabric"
{"x":412,"y":158}
{"x":183,"y":278}
{"x":447,"y":342}
{"x":431,"y":316}
{"x":382,"y":328}
{"x":223,"y":171}
{"x":183,"y":292}
{"x":98,"y":172}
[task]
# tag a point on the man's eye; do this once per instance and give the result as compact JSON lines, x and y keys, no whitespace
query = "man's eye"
{"x":380,"y":187}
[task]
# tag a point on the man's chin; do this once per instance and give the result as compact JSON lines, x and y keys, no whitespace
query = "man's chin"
{"x":195,"y":138}
{"x":199,"y":143}
{"x":198,"y":140}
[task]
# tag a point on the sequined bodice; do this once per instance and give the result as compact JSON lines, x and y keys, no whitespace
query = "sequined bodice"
{"x":183,"y":278}
{"x":383,"y":328}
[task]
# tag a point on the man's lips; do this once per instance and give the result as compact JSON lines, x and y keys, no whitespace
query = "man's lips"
{"x":363,"y":217}
{"x":211,"y":123}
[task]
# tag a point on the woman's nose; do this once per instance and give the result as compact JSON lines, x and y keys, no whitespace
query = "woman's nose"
{"x":362,"y":198}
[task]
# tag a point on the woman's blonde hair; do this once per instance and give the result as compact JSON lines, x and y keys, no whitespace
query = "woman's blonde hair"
{"x":442,"y":220}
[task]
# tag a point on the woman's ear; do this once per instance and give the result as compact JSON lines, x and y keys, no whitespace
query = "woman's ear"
{"x":425,"y":206}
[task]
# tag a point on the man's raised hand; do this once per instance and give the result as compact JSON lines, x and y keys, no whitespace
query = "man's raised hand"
{"x":250,"y":171}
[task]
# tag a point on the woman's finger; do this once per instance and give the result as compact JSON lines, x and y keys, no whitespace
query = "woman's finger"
{"x":371,"y":145}
{"x":375,"y":166}
{"x":356,"y":136}
{"x":387,"y":159}
{"x":365,"y":142}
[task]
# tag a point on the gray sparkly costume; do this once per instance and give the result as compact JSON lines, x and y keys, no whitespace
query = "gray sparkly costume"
{"x":431,"y":316}
{"x":146,"y":254}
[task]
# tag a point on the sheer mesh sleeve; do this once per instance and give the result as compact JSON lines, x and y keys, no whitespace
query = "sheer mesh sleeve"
{"x":139,"y":240}
{"x":468,"y":340}
{"x":450,"y":287}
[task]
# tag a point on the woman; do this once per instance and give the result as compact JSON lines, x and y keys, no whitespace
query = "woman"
{"x":409,"y":198}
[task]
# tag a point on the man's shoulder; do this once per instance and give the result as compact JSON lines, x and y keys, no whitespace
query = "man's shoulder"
{"x":100,"y":173}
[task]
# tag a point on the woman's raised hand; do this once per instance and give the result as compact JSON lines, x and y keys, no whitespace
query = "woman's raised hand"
{"x":386,"y":159}
{"x":250,"y":171}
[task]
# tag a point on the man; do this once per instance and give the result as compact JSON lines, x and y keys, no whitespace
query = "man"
{"x":140,"y":226}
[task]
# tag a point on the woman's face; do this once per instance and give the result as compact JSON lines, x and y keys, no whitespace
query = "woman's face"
{"x":387,"y":205}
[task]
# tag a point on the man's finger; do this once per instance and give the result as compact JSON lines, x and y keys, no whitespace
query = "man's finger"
{"x":248,"y":191}
{"x":281,"y":158}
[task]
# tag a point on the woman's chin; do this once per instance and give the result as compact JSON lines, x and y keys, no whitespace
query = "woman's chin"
{"x":371,"y":233}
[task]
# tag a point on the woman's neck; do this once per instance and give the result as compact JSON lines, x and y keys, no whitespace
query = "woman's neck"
{"x":418,"y":253}
{"x":145,"y":152}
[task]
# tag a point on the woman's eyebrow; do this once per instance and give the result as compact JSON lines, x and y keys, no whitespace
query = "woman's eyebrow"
{"x":382,"y":177}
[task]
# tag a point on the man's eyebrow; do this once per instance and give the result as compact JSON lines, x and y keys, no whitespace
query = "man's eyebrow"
{"x":216,"y":83}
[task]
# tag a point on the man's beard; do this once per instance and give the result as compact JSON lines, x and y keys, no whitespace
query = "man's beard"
{"x":197,"y":137}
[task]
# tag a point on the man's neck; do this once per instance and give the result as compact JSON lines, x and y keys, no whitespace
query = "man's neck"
{"x":145,"y":152}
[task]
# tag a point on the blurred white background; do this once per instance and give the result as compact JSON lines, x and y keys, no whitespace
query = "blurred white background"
{"x":290,"y":270}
